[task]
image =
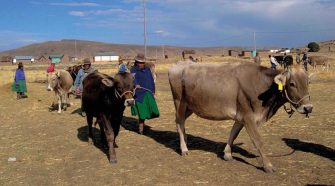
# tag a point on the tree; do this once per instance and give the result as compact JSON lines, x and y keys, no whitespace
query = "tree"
{"x":313,"y":47}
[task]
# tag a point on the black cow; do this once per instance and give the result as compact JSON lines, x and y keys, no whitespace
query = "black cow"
{"x":105,"y":98}
{"x":286,"y":60}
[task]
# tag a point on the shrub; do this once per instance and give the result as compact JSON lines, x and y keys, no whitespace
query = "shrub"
{"x":313,"y":47}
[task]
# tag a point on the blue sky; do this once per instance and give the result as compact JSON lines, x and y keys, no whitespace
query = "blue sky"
{"x":200,"y":23}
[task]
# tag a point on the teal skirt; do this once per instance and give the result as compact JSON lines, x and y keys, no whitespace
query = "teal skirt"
{"x":147,"y":109}
{"x":21,"y":87}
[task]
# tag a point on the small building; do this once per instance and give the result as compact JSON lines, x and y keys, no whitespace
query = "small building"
{"x":187,"y":53}
{"x":284,"y":50}
{"x":274,"y":50}
{"x":263,"y":53}
{"x":56,"y":58}
{"x":246,"y":53}
{"x":106,"y":57}
{"x":6,"y":59}
{"x":23,"y":59}
{"x":42,"y":59}
{"x":233,"y":53}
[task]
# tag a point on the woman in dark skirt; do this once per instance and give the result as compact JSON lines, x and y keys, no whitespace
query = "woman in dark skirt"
{"x":19,"y":84}
{"x":145,"y":104}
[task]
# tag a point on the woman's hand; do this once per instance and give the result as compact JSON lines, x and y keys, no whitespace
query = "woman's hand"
{"x":137,"y":86}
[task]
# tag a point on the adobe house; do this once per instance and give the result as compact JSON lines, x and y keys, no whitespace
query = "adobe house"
{"x":6,"y":59}
{"x":42,"y":59}
{"x":187,"y":53}
{"x":233,"y":53}
{"x":246,"y":53}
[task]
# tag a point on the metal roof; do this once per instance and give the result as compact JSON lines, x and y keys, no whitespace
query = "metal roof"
{"x":56,"y":56}
{"x":106,"y":54}
{"x":23,"y":57}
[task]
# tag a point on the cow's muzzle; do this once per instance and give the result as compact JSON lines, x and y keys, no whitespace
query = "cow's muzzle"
{"x":129,"y":102}
{"x":305,"y":109}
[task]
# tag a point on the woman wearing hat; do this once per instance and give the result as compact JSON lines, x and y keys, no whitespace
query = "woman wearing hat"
{"x":19,"y":85}
{"x":145,"y":105}
{"x":82,"y":73}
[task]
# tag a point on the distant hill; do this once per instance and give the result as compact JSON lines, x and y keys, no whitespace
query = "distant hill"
{"x":83,"y":49}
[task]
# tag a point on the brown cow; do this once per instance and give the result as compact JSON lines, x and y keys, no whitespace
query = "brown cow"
{"x":247,"y":93}
{"x":106,"y":98}
{"x":61,"y":83}
{"x":319,"y":60}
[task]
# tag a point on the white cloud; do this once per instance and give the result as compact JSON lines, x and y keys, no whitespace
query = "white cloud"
{"x":74,"y":4}
{"x":162,"y":33}
{"x":77,"y":13}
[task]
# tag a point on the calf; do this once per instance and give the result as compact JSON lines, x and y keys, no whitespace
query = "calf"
{"x":61,"y":83}
{"x":319,"y":60}
{"x":105,"y":98}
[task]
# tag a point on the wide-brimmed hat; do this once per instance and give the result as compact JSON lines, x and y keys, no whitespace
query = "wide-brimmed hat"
{"x":87,"y":61}
{"x":140,"y":58}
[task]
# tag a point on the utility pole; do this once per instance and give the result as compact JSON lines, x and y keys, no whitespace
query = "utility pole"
{"x":75,"y":50}
{"x":254,"y":41}
{"x":163,"y":51}
{"x":145,"y":29}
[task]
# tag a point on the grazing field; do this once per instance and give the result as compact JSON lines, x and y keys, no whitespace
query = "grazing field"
{"x":52,"y":148}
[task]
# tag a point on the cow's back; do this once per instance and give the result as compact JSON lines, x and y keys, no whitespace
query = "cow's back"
{"x":318,"y":60}
{"x":217,"y":91}
{"x":66,"y":80}
{"x":96,"y":96}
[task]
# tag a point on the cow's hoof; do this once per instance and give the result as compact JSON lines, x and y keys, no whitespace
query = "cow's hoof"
{"x":228,"y":157}
{"x":184,"y":153}
{"x":112,"y":161}
{"x":90,"y":142}
{"x":59,"y":112}
{"x":269,"y":169}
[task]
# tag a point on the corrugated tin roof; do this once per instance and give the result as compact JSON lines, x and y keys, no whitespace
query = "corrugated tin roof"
{"x":106,"y":54}
{"x":23,"y":57}
{"x":56,"y":56}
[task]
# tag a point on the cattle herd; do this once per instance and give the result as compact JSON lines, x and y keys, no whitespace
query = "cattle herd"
{"x":247,"y":93}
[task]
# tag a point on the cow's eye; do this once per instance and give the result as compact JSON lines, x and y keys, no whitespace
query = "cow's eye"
{"x":292,"y":84}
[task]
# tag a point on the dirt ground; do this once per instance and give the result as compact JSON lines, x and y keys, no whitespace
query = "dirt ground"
{"x":52,"y":149}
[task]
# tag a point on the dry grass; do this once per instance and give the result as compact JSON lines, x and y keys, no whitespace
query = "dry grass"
{"x":51,"y":149}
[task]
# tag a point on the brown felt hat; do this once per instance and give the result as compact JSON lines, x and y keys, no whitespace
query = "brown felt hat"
{"x":87,"y":61}
{"x":140,"y":58}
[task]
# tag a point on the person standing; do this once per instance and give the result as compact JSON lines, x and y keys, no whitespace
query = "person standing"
{"x":145,"y":104}
{"x":305,"y":60}
{"x":257,"y":59}
{"x":50,"y":71}
{"x":82,"y":73}
{"x":19,"y":85}
{"x":122,"y":66}
{"x":273,"y":62}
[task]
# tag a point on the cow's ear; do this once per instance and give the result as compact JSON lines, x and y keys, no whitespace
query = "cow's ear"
{"x":280,"y":80}
{"x":107,"y":82}
{"x":58,"y":74}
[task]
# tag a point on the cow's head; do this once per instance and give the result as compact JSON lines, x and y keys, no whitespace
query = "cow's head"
{"x":53,"y":80}
{"x":294,"y":84}
{"x":50,"y":78}
{"x":124,"y":87}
